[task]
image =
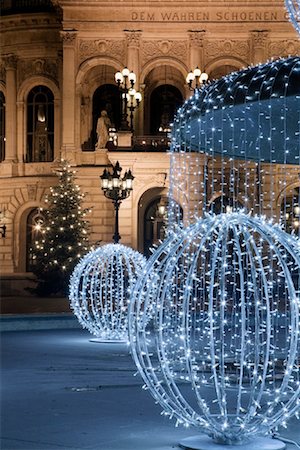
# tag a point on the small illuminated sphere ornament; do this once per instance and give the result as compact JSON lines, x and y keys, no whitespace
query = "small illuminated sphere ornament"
{"x":214,"y":330}
{"x":100,"y":289}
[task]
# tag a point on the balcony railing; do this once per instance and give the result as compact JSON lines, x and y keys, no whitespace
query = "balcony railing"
{"x":158,"y":143}
{"x":151,"y":143}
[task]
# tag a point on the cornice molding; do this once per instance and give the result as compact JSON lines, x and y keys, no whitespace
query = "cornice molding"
{"x":19,"y":22}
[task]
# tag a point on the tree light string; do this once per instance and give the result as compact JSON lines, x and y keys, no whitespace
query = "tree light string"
{"x":221,"y":351}
{"x":100,"y":288}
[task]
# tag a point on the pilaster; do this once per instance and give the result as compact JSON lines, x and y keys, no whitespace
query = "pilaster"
{"x":259,"y":41}
{"x":133,"y":38}
{"x":68,"y":117}
{"x":196,"y":39}
{"x":9,"y":164}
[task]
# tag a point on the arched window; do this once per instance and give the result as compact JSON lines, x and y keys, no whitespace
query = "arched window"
{"x":221,"y":71}
{"x":164,"y":102}
{"x":106,"y":97}
{"x":34,"y":223}
{"x":40,"y":125}
{"x":223,"y":204}
{"x":2,"y":126}
{"x":155,"y":223}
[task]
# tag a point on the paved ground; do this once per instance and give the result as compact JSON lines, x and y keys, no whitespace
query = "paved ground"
{"x":60,"y":391}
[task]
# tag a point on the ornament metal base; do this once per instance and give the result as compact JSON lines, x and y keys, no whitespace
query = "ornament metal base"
{"x":203,"y":442}
{"x":108,"y":341}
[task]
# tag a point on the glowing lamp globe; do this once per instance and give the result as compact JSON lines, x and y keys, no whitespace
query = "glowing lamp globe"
{"x":214,"y":330}
{"x":100,"y":288}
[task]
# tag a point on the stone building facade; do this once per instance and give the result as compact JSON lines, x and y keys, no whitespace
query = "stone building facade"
{"x":63,"y":55}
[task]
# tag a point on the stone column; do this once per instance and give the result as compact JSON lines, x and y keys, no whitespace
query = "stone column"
{"x":133,"y":38}
{"x":57,"y":127}
{"x":11,"y":109}
{"x":21,"y":136}
{"x":140,"y":112}
{"x":68,"y":99}
{"x":259,"y":41}
{"x":133,"y":52}
{"x":196,"y":39}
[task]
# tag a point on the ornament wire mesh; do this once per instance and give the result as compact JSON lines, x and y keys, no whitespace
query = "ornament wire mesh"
{"x":221,"y":351}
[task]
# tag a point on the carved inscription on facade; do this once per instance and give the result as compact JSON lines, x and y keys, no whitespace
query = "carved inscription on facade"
{"x":233,"y":15}
{"x":100,"y":47}
{"x":178,"y":49}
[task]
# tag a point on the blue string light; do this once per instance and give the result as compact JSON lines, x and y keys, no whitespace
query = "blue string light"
{"x":293,"y":8}
{"x":228,"y":138}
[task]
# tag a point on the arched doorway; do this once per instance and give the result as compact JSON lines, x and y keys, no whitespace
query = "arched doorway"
{"x":40,"y":125}
{"x":164,"y":103}
{"x":222,"y":70}
{"x":34,"y":224}
{"x":155,"y":223}
{"x":164,"y":93}
{"x":106,"y":97}
{"x":147,"y":199}
{"x":153,"y":218}
{"x":224,"y":204}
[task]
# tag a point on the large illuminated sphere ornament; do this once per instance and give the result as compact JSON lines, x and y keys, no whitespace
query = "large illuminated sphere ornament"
{"x":230,"y":137}
{"x":293,"y":8}
{"x":214,"y":329}
{"x":100,"y":289}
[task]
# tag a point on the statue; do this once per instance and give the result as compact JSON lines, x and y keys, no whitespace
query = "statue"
{"x":103,"y":124}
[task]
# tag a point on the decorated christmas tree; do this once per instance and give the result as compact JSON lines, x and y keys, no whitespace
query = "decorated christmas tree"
{"x":64,"y":234}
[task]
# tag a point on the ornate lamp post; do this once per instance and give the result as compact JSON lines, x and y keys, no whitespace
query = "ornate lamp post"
{"x":130,"y":97}
{"x":134,"y":98}
{"x":196,"y":79}
{"x":116,"y":189}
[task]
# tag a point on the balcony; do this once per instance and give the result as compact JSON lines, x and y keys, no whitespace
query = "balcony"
{"x":158,"y":143}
